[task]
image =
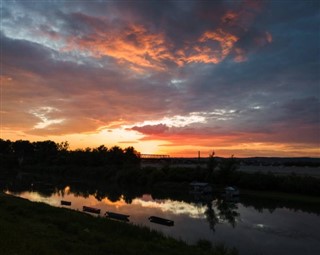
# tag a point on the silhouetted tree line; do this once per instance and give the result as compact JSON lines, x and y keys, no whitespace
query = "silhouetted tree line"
{"x":222,"y":172}
{"x":122,"y":166}
{"x":48,"y":153}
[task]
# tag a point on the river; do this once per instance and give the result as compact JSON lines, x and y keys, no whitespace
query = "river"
{"x":250,"y":224}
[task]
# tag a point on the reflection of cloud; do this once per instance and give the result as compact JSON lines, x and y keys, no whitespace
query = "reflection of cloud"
{"x":175,"y":207}
{"x":36,"y":197}
{"x":273,"y":230}
{"x":117,"y":204}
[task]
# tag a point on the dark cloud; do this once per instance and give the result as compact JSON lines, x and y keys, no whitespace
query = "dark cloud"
{"x":151,"y":129}
{"x":302,"y":111}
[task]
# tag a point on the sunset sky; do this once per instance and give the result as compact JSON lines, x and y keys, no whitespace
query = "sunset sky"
{"x":166,"y":77}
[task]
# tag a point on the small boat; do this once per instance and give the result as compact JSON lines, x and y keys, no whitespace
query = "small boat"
{"x":161,"y":221}
{"x":63,"y":202}
{"x":91,"y":209}
{"x":117,"y":216}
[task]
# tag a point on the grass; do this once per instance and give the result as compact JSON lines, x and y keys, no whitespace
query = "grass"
{"x":36,"y":228}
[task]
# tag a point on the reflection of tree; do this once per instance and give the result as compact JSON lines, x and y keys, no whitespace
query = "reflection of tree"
{"x":114,"y":196}
{"x":128,"y":200}
{"x":99,"y":195}
{"x":44,"y":189}
{"x":211,"y":215}
{"x":226,"y":211}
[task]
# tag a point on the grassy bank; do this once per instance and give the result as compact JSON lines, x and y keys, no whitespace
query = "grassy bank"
{"x":36,"y":228}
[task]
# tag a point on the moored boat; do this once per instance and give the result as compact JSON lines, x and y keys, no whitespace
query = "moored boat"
{"x":161,"y":221}
{"x":91,"y":209}
{"x":117,"y":216}
{"x":63,"y":202}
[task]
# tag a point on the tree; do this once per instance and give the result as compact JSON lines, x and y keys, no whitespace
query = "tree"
{"x":132,"y":157}
{"x":102,"y":149}
{"x":212,"y":164}
{"x":5,"y":147}
{"x":45,"y":150}
{"x":116,"y":155}
{"x":63,"y":146}
{"x":22,"y":149}
{"x":227,"y":168}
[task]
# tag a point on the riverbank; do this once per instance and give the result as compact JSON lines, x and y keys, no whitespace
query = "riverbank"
{"x":37,"y":228}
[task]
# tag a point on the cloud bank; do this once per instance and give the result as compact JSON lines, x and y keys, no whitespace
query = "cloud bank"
{"x":193,"y":74}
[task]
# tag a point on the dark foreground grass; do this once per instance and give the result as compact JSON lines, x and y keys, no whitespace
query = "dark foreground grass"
{"x":36,"y":228}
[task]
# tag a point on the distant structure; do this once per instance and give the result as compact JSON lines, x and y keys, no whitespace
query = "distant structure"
{"x":153,"y":156}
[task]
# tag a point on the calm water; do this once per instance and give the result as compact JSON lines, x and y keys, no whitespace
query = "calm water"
{"x":246,"y":224}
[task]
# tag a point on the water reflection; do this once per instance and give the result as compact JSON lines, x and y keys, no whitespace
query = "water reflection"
{"x":269,"y":225}
{"x":139,"y":206}
{"x":221,"y":211}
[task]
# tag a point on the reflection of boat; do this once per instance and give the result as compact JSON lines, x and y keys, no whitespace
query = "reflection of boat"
{"x":117,"y":216}
{"x":161,"y":221}
{"x":91,"y":209}
{"x":231,"y":192}
{"x":63,"y":202}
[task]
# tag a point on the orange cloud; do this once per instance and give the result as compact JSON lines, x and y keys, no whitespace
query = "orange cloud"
{"x":240,"y":55}
{"x":134,"y":45}
{"x":230,"y":18}
{"x":225,"y":39}
{"x":140,"y":48}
